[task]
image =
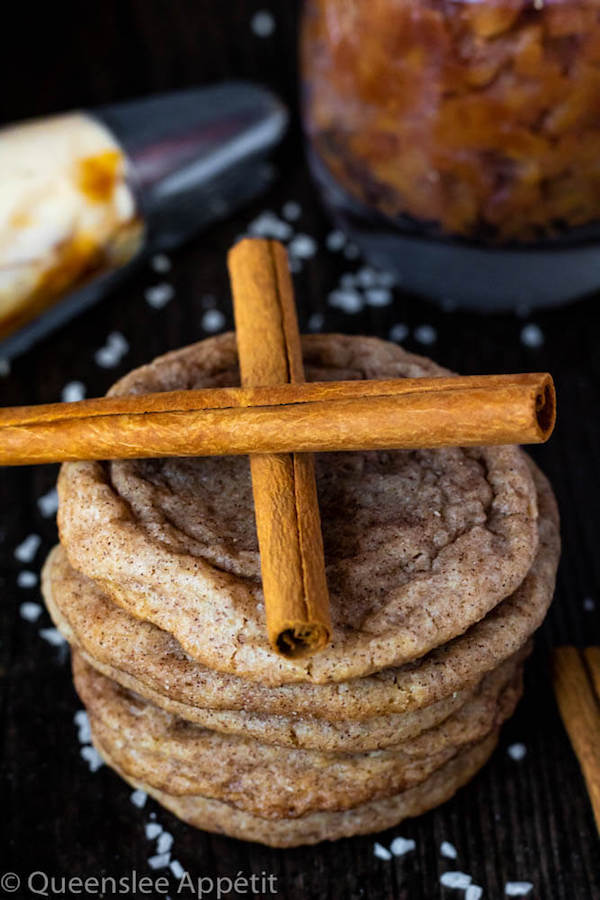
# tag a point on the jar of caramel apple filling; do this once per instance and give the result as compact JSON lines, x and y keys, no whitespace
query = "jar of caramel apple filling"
{"x":458,"y":141}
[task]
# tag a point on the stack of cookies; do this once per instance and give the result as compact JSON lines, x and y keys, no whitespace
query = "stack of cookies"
{"x":440,"y":565}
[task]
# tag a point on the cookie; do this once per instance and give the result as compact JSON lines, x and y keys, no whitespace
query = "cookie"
{"x":419,"y":545}
{"x":376,"y":815}
{"x":272,"y":782}
{"x":151,"y":662}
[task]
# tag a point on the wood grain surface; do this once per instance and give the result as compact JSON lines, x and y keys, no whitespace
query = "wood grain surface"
{"x":526,"y":820}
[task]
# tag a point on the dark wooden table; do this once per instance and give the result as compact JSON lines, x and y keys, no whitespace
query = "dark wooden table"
{"x":519,"y":820}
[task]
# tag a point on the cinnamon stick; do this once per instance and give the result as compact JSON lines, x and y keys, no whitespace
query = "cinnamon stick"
{"x":580,"y":711}
{"x":284,"y":487}
{"x":404,"y":413}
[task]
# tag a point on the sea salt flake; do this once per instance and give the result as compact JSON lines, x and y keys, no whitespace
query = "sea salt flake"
{"x":518,"y":888}
{"x":27,"y":579}
{"x":302,"y":246}
{"x":517,"y":751}
{"x":176,"y":868}
{"x":138,"y":798}
{"x":381,"y":852}
{"x":262,"y":23}
{"x":27,"y":549}
{"x":315,"y":321}
{"x":378,"y":296}
{"x":73,"y":392}
{"x":161,"y":263}
{"x":367,"y":277}
{"x":335,"y":240}
{"x":164,"y":843}
{"x":153,"y":829}
{"x":588,"y":604}
{"x":458,"y":880}
{"x":92,"y":757}
{"x":48,"y":503}
{"x":30,"y":611}
{"x":111,"y":353}
{"x":474,"y":892}
{"x":448,"y":850}
{"x":425,"y":334}
{"x":400,"y":846}
{"x":269,"y":225}
{"x":349,"y":301}
{"x":160,"y":861}
{"x":84,"y":733}
{"x":52,"y":636}
{"x":291,"y":211}
{"x":159,"y":295}
{"x":532,"y":335}
{"x":398,"y":332}
{"x":212,"y":320}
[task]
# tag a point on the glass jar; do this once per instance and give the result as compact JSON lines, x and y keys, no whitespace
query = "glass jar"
{"x":458,"y":141}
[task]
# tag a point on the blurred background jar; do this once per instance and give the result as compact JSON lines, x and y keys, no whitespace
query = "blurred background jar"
{"x":458,"y":141}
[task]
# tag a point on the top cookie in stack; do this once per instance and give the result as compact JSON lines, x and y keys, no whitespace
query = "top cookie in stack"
{"x":440,"y":565}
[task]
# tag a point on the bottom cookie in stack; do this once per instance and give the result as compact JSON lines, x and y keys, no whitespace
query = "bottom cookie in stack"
{"x":281,"y":795}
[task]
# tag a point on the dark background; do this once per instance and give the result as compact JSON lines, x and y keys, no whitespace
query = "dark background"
{"x":527,"y":820}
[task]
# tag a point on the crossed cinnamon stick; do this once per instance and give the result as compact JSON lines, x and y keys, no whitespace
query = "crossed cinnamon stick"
{"x":279,"y":421}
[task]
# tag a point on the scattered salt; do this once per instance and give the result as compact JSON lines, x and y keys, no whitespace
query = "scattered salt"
{"x":262,"y":23}
{"x":4,"y":367}
{"x":269,"y":225}
{"x":92,"y":757}
{"x":381,"y":852}
{"x":48,"y":503}
{"x":73,"y":391}
{"x":27,"y":549}
{"x":425,"y":334}
{"x":518,"y":888}
{"x":27,"y":579}
{"x":302,"y":246}
{"x":153,"y":829}
{"x":113,"y":350}
{"x":348,"y":280}
{"x":291,"y":211}
{"x":588,"y":604}
{"x":335,"y":240}
{"x":351,"y":251}
{"x":52,"y":636}
{"x":448,"y":850}
{"x":138,"y":798}
{"x":315,"y":321}
{"x":458,"y":880}
{"x":400,"y":846}
{"x":30,"y":611}
{"x":378,"y":296}
{"x":160,"y":861}
{"x":159,"y":295}
{"x":84,"y":734}
{"x":164,"y":843}
{"x":213,"y":320}
{"x":367,"y":277}
{"x":348,"y":300}
{"x":398,"y":332}
{"x":474,"y":892}
{"x":176,"y":868}
{"x":517,"y":751}
{"x":532,"y":335}
{"x":161,"y":263}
